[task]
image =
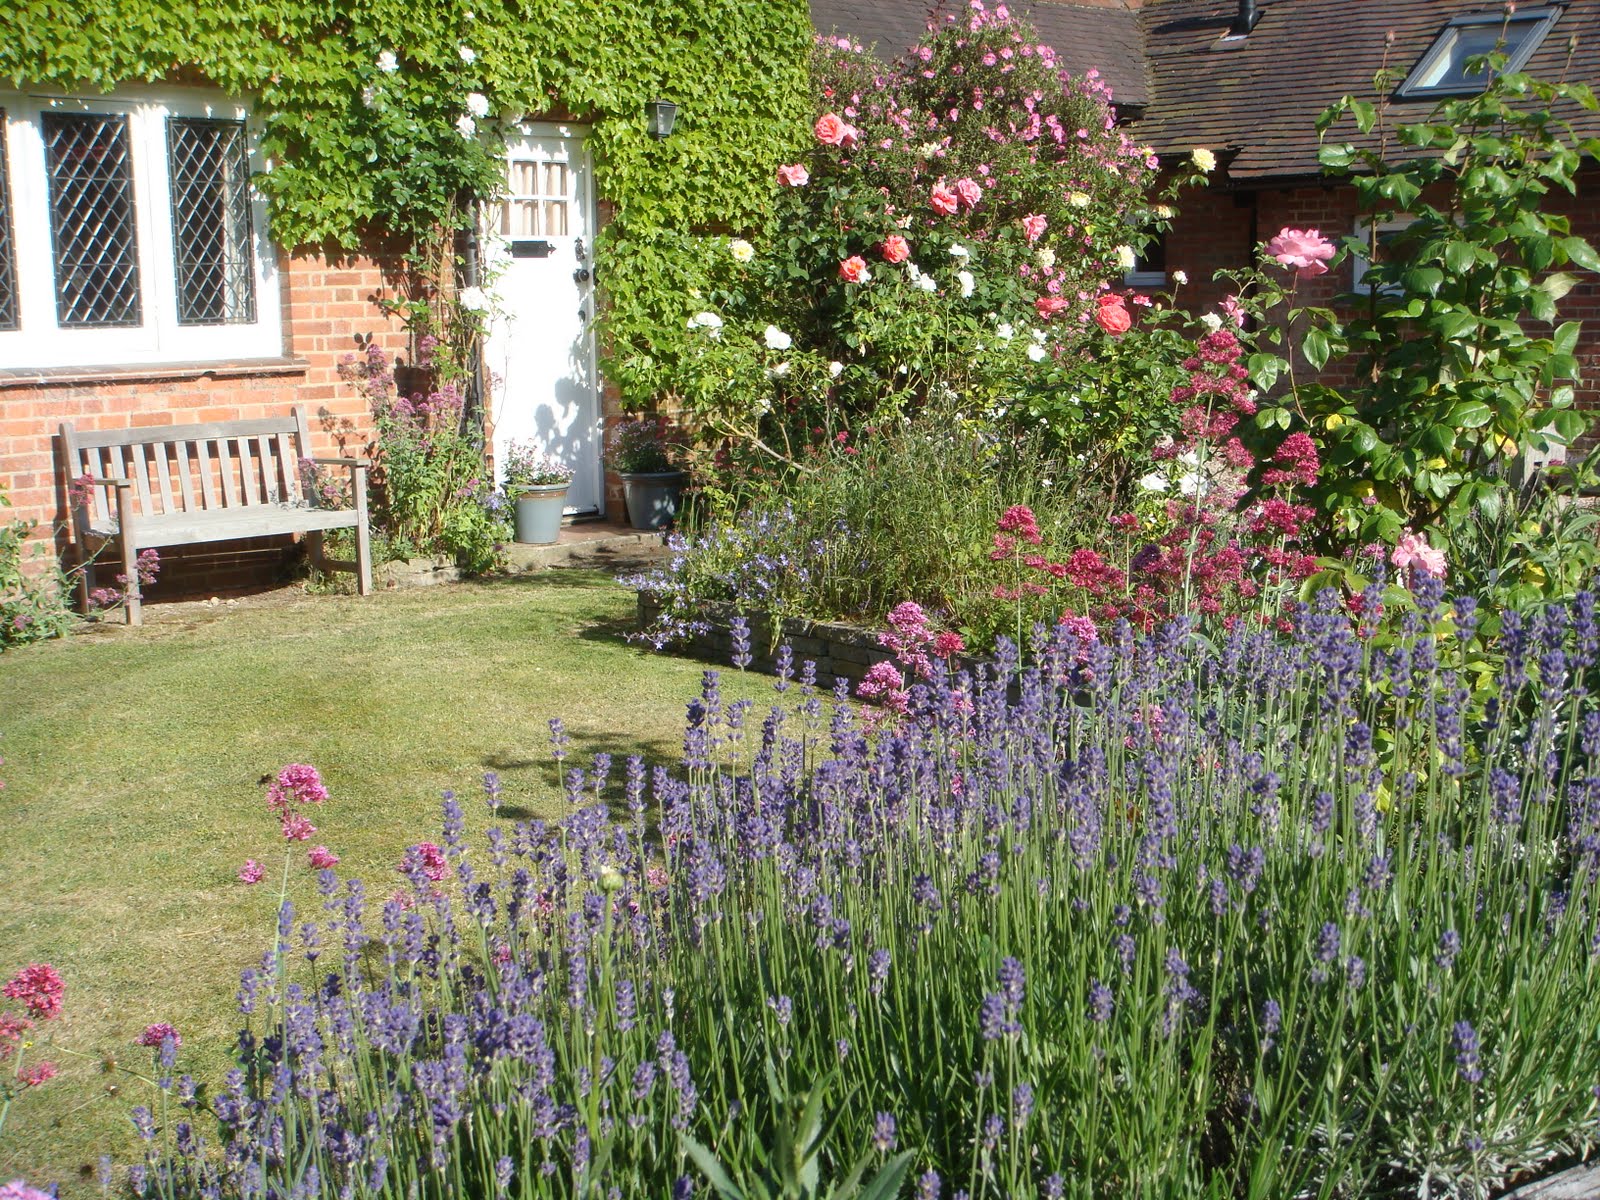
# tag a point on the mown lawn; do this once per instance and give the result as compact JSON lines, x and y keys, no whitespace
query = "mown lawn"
{"x":133,"y":793}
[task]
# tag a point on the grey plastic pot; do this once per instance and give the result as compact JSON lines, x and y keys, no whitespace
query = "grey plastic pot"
{"x":652,"y":498}
{"x":538,"y":517}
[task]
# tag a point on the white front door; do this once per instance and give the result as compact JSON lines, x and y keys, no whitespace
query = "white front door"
{"x":538,"y":251}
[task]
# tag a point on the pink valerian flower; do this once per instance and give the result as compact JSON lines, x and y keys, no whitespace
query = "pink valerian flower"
{"x":1112,"y":315}
{"x":296,"y":828}
{"x":18,"y":1190}
{"x":80,"y":491}
{"x":884,"y":682}
{"x":943,"y":200}
{"x":854,"y":270}
{"x":948,"y":644}
{"x":969,"y":192}
{"x":322,"y":858}
{"x":427,"y":858}
{"x":154,"y":1035}
{"x":1019,"y":519}
{"x":1414,"y":551}
{"x":794,"y":175}
{"x":38,"y":1074}
{"x":251,"y":872}
{"x":297,"y":783}
{"x":38,"y":986}
{"x":1033,"y":226}
{"x":1306,"y":250}
{"x":12,"y":1029}
{"x":1082,"y":628}
{"x":830,"y":129}
{"x":896,"y":249}
{"x":1295,"y":461}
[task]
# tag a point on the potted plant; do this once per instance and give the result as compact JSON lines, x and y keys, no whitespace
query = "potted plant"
{"x":538,"y":484}
{"x":652,"y":483}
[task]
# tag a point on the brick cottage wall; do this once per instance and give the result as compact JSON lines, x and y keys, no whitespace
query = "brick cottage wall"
{"x":328,"y":310}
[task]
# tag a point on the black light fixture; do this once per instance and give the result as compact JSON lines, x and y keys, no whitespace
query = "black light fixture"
{"x":660,"y":116}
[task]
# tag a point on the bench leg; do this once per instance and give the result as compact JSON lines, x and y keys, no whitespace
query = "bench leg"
{"x":130,"y":589}
{"x":85,"y":576}
{"x":363,"y":535}
{"x":316,"y":553}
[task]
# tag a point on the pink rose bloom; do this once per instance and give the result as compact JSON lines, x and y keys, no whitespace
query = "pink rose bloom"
{"x":830,"y":129}
{"x":251,"y":872}
{"x":969,"y":192}
{"x":854,"y":269}
{"x":852,"y":135}
{"x":322,"y":858}
{"x":1112,"y":315}
{"x":1413,"y":550}
{"x":896,"y":249}
{"x":1306,"y":250}
{"x":1049,"y":306}
{"x":154,"y":1035}
{"x":1233,"y":310}
{"x":1034,"y":225}
{"x":794,"y":175}
{"x":943,"y":200}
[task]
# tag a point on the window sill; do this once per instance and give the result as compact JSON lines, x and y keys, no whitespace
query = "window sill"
{"x":237,"y":368}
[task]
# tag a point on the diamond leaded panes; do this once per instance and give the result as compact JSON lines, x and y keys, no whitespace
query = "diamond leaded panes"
{"x":8,"y":257}
{"x":210,"y":176}
{"x":91,"y":220}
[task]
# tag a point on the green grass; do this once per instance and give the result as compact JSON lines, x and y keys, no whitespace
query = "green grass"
{"x":133,"y":761}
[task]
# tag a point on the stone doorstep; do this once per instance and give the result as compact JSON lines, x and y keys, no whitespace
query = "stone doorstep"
{"x":583,"y":546}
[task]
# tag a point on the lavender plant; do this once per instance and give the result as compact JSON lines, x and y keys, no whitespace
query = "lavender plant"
{"x":1270,"y":916}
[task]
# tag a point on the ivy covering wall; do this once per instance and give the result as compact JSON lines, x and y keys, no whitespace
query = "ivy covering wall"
{"x":359,"y":143}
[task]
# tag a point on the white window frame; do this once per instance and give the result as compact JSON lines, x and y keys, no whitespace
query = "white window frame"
{"x":1141,"y":277}
{"x":1442,"y":50}
{"x":39,"y":342}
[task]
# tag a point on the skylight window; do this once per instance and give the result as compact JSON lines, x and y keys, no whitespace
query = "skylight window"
{"x":1446,"y":69}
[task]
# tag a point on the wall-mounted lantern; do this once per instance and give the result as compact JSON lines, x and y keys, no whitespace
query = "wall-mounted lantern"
{"x":660,"y":116}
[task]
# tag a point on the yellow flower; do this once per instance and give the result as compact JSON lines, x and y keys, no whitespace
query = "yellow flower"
{"x":1333,"y":422}
{"x":1204,"y":160}
{"x":1078,"y":199}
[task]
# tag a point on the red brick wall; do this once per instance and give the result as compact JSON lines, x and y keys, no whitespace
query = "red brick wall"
{"x":328,"y":307}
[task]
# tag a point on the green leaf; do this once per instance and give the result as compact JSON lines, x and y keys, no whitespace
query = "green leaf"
{"x":1470,"y":414}
{"x":1460,"y":257}
{"x":1565,"y":339}
{"x":1315,"y":347}
{"x":710,"y":1167}
{"x":1265,"y":369}
{"x":886,"y":1184}
{"x":1582,"y":253}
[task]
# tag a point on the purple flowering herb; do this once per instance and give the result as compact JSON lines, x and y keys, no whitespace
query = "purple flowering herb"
{"x":782,"y":1007}
{"x":1100,"y":1002}
{"x":1021,"y":1104}
{"x":1449,"y":947}
{"x":739,"y":629}
{"x":883,"y":1132}
{"x":877,"y":971}
{"x":928,"y":1185}
{"x":1466,"y":1044}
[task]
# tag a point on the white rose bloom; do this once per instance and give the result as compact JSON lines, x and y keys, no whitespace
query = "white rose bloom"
{"x":1039,"y":336}
{"x":779,"y":371}
{"x":1005,"y":332}
{"x":478,"y":104}
{"x":1036,"y":353}
{"x":913,"y":272}
{"x":959,"y":251}
{"x":473,"y":299}
{"x":1164,"y":211}
{"x":468,"y":54}
{"x":968,"y":283}
{"x":1191,"y":484}
{"x":928,"y":284}
{"x":466,"y":126}
{"x":1154,"y":482}
{"x":834,"y":368}
{"x":777,"y":339}
{"x":741,"y":250}
{"x":1189,"y":458}
{"x":388,"y":63}
{"x":1078,"y":199}
{"x":1211,"y":321}
{"x":1204,"y":160}
{"x":1046,"y":258}
{"x":369,"y":96}
{"x":1180,"y":277}
{"x":1125,"y":258}
{"x":708,"y":321}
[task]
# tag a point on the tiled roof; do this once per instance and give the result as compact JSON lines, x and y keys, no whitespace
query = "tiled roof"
{"x":1257,"y":99}
{"x":1103,"y":35}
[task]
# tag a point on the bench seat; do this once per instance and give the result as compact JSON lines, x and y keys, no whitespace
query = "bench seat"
{"x":265,"y":520}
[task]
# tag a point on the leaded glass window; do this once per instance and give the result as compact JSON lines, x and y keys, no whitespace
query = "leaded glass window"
{"x":91,"y":220}
{"x":8,"y":254}
{"x":210,"y":178}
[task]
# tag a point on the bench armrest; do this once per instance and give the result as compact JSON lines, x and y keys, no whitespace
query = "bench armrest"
{"x":109,"y":482}
{"x":342,"y":462}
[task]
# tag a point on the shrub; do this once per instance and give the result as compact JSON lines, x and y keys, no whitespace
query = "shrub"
{"x":1271,"y":916}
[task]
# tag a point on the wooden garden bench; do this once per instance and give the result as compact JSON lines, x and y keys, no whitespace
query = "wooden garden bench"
{"x":181,"y":485}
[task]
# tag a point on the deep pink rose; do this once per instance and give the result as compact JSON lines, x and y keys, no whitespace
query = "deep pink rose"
{"x":1306,"y":250}
{"x":794,"y":175}
{"x":969,"y":192}
{"x":943,"y":200}
{"x":1034,"y":225}
{"x":1112,"y":315}
{"x":896,"y":249}
{"x":854,"y":269}
{"x":1049,"y":306}
{"x":830,"y":129}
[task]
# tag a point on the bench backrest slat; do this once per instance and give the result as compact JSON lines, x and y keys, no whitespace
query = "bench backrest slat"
{"x":185,"y":476}
{"x":202,"y":465}
{"x":227,"y":462}
{"x":161,"y":460}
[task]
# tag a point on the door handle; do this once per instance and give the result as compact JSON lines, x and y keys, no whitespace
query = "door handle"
{"x":581,"y":275}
